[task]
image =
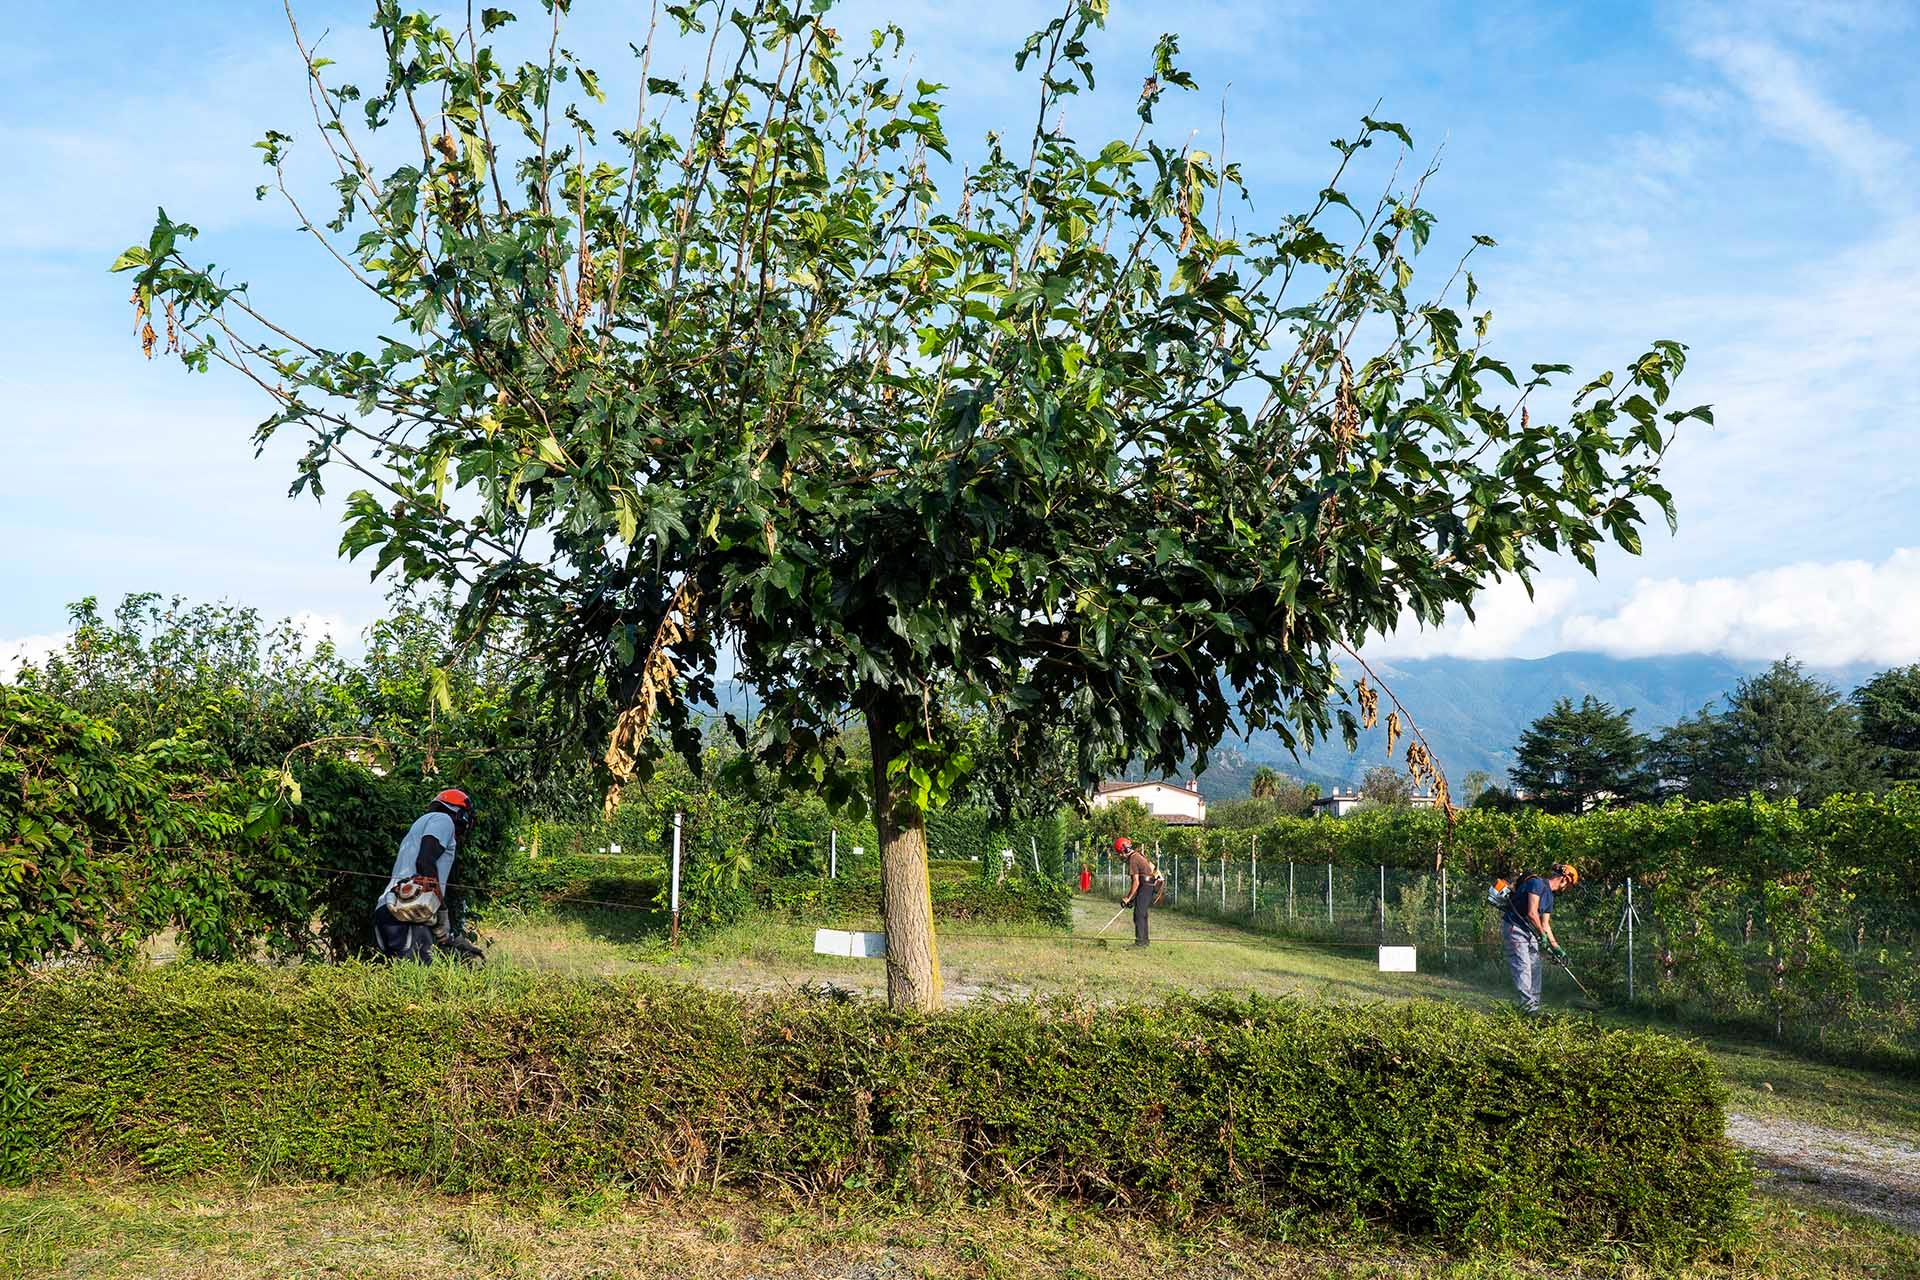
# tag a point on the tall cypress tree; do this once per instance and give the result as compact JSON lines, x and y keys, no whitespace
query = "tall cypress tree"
{"x":1577,"y":758}
{"x":1889,"y":709}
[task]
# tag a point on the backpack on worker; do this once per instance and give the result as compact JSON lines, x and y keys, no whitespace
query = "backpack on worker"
{"x":417,"y":900}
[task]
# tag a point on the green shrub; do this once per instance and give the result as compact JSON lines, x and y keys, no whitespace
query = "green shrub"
{"x":533,"y":879}
{"x":104,"y":844}
{"x":1430,"y":1119}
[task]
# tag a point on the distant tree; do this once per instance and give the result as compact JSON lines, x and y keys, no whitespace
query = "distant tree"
{"x":1789,"y":735}
{"x":1283,"y":797}
{"x":1389,"y":788}
{"x":1889,"y":710}
{"x":1784,"y":735}
{"x":1694,"y":759}
{"x":1266,"y":783}
{"x":1573,"y":759}
{"x":1473,"y":786}
{"x":1498,"y":800}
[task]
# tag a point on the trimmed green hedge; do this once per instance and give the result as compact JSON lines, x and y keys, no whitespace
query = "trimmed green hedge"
{"x":1019,"y":900}
{"x":1876,"y":836}
{"x":1433,"y":1120}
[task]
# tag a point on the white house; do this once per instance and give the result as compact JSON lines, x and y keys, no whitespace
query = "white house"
{"x":1172,"y":803}
{"x":1338,"y":803}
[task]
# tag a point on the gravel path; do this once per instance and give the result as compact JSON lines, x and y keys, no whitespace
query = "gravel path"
{"x":1869,"y":1175}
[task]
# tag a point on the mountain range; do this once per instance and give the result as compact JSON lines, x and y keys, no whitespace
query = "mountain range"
{"x":1472,"y":710}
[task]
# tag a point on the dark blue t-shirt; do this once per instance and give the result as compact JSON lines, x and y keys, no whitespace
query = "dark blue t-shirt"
{"x":1517,"y":900}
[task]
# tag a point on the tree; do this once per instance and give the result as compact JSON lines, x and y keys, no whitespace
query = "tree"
{"x":1789,"y":735}
{"x":1573,"y":759}
{"x":740,"y":375}
{"x":1692,"y":758}
{"x":1473,"y":786}
{"x":249,"y":688}
{"x":1265,"y":784}
{"x":1889,"y":710}
{"x":1784,"y":735}
{"x":1389,"y":788}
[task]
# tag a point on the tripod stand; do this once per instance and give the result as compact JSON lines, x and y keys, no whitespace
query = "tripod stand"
{"x":1628,"y":919}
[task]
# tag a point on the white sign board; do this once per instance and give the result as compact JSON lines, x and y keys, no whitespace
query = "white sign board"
{"x":853,"y":944}
{"x":1397,"y":960}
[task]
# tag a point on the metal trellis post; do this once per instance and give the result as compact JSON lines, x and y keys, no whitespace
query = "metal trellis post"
{"x":1629,"y":937}
{"x":674,"y":904}
{"x":1253,"y":879}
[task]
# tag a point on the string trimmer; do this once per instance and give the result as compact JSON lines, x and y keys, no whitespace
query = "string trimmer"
{"x":1561,"y":960}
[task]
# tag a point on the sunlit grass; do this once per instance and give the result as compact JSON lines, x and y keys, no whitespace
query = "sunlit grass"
{"x":216,"y":1232}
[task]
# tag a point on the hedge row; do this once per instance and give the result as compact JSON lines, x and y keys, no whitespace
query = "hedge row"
{"x":1017,"y":900}
{"x":1877,"y":834}
{"x":1430,"y":1119}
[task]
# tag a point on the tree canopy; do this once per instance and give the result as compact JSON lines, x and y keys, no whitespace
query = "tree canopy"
{"x":1784,"y":735}
{"x":1575,"y":758}
{"x":753,"y":370}
{"x":1889,"y":711}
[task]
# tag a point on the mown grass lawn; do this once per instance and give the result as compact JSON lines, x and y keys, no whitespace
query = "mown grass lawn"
{"x":133,"y":1231}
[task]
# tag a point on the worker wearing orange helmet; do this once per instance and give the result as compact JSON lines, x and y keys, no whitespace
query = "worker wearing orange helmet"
{"x":1527,"y":929}
{"x":413,"y":917}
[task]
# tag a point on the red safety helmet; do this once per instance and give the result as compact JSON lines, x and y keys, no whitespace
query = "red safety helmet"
{"x":456,"y":804}
{"x":1122,"y":845}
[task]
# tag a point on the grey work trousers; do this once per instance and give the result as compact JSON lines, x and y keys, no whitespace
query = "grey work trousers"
{"x":1524,"y":962}
{"x":1142,"y":904}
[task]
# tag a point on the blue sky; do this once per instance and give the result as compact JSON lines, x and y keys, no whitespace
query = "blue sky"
{"x":1740,"y":177}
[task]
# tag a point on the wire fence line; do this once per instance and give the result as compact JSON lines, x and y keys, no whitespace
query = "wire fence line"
{"x":1838,"y":974}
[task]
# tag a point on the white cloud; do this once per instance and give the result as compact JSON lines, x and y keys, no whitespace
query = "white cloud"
{"x":1828,"y":614}
{"x":1786,"y":101}
{"x":15,"y":654}
{"x":1507,"y":622}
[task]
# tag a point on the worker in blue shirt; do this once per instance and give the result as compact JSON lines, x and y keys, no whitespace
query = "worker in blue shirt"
{"x":1527,"y":927}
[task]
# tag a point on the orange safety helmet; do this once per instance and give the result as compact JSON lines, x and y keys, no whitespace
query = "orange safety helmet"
{"x":456,"y":804}
{"x":1568,"y":870}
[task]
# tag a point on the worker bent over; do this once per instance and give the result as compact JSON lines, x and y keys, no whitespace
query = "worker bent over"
{"x":1144,"y":887}
{"x":1527,"y":926}
{"x":413,"y":916}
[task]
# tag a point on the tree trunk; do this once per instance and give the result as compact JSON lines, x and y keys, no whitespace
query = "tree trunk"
{"x":906,"y":894}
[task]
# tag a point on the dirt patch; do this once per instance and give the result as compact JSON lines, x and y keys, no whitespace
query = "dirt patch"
{"x":1873,"y":1176}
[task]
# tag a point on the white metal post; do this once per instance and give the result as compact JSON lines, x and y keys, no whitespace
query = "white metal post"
{"x":833,"y":853}
{"x":1223,"y":881}
{"x":1629,"y":937}
{"x":1329,"y":893}
{"x":1289,"y":890}
{"x":674,"y":900}
{"x":1383,"y":899}
{"x":1034,"y":845}
{"x":1253,"y":879}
